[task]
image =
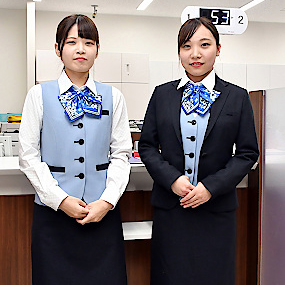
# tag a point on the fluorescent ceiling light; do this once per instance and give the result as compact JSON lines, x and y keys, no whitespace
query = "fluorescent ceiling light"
{"x":37,"y":0}
{"x":144,"y":4}
{"x":251,"y":4}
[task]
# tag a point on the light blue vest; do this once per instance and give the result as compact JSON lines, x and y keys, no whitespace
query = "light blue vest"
{"x":77,"y":152}
{"x":193,"y":129}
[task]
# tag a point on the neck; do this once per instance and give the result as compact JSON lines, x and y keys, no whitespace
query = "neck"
{"x":77,"y":78}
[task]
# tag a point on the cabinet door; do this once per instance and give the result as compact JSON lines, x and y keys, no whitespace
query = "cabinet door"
{"x":48,"y":65}
{"x":137,"y":97}
{"x":159,"y":72}
{"x":107,"y":67}
{"x":135,"y":68}
{"x":277,"y":75}
{"x":235,"y":73}
{"x":257,"y":77}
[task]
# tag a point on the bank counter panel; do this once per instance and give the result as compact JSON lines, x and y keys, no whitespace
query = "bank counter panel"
{"x":16,"y":211}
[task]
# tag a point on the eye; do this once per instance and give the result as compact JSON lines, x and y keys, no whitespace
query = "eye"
{"x":205,"y":44}
{"x":186,"y":46}
{"x":70,"y":42}
{"x":89,"y":43}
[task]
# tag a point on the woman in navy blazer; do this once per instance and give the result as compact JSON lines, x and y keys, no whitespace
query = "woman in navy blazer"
{"x":187,"y":146}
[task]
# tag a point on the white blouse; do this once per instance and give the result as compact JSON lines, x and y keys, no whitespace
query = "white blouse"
{"x":38,"y":172}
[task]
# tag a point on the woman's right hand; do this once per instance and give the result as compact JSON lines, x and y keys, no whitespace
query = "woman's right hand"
{"x":182,"y":186}
{"x":74,"y":207}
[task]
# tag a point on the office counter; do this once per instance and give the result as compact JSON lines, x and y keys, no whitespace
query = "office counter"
{"x":16,"y":210}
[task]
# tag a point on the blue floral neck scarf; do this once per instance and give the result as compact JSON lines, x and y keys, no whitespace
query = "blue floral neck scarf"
{"x":197,"y":98}
{"x":76,"y":103}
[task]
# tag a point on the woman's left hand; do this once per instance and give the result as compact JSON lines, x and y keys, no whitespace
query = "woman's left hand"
{"x":97,"y":211}
{"x":197,"y":196}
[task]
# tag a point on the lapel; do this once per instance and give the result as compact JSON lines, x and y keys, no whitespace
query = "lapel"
{"x":218,"y":105}
{"x":175,"y":99}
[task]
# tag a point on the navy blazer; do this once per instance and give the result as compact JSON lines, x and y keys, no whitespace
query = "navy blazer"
{"x":231,"y":122}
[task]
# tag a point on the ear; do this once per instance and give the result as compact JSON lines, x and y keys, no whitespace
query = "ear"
{"x":218,"y":50}
{"x":57,"y":50}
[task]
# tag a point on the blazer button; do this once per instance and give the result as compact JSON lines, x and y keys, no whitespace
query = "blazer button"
{"x":189,"y":171}
{"x":80,"y":175}
{"x":80,"y":125}
{"x":191,"y":154}
{"x":81,"y":159}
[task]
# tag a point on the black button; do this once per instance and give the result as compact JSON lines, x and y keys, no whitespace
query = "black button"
{"x":80,"y":125}
{"x":81,"y":141}
{"x":189,"y":171}
{"x":191,"y":154}
{"x":193,"y":122}
{"x":80,"y":175}
{"x":81,"y":159}
{"x":192,"y":138}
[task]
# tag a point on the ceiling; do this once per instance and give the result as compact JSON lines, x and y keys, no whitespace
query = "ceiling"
{"x":267,"y":11}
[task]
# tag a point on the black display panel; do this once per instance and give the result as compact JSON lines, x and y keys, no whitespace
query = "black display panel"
{"x":217,"y":16}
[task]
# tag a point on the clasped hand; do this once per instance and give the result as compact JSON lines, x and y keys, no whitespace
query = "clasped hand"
{"x":93,"y":212}
{"x":191,"y":196}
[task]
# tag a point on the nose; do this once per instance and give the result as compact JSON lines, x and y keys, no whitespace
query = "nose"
{"x":195,"y":52}
{"x":80,"y":48}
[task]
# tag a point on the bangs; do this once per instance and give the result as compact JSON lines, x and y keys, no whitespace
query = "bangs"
{"x":86,"y":29}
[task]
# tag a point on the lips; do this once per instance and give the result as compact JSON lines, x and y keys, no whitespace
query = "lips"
{"x":196,"y":64}
{"x":80,"y":58}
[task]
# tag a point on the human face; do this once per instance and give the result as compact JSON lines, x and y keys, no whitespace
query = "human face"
{"x":78,"y":54}
{"x":199,"y":53}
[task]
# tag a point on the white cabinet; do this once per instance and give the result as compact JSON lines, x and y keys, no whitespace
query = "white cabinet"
{"x":48,"y":65}
{"x":257,"y":77}
{"x":137,"y":97}
{"x":277,"y":76}
{"x":135,"y":68}
{"x":159,"y":73}
{"x":107,"y":67}
{"x":235,"y":73}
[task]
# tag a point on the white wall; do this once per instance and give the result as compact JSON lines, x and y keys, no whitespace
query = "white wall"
{"x":262,"y":43}
{"x":13,"y":60}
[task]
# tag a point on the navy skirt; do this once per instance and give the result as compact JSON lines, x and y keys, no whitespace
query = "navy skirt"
{"x":193,"y":246}
{"x":67,"y":253}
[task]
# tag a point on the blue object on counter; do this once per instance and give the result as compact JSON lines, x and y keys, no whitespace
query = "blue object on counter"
{"x":4,"y":116}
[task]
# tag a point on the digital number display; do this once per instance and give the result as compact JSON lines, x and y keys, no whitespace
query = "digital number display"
{"x":217,"y":16}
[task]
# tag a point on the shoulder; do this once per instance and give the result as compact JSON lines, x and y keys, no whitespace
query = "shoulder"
{"x":168,"y":85}
{"x":35,"y":93}
{"x":229,"y":85}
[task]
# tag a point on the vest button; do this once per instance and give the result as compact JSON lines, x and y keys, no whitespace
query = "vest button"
{"x":81,"y":159}
{"x":80,"y":125}
{"x":81,"y":141}
{"x":191,"y":154}
{"x":189,"y":171}
{"x":81,"y":175}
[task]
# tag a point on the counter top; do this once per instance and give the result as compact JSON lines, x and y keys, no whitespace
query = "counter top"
{"x":14,"y":182}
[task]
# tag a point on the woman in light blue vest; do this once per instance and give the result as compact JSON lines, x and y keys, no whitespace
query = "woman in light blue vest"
{"x":74,"y":148}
